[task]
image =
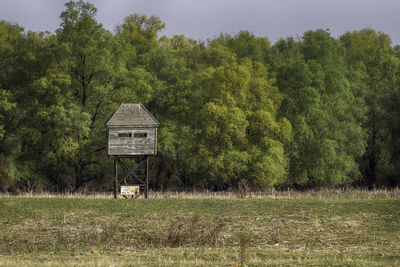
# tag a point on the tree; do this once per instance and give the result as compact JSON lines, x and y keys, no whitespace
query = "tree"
{"x":85,"y":55}
{"x":137,"y":29}
{"x":238,"y":133}
{"x":373,"y":72}
{"x":11,"y":38}
{"x":140,"y":34}
{"x":325,"y":115}
{"x":245,"y":44}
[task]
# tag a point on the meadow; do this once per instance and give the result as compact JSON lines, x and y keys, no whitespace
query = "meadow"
{"x":315,"y":228}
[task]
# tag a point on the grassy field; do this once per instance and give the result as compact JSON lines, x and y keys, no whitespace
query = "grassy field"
{"x":257,"y":231}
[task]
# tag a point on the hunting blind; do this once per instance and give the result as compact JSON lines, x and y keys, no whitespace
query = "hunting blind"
{"x":132,"y":133}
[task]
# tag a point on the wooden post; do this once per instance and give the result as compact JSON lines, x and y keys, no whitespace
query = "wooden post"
{"x":115,"y":177}
{"x":147,"y":177}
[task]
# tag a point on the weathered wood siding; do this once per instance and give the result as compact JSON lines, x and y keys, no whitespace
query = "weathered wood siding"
{"x":128,"y":144}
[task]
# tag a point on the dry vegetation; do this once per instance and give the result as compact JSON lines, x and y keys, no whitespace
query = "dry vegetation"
{"x":204,"y":194}
{"x":174,"y":229}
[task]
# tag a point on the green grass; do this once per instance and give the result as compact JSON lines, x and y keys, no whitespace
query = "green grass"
{"x":199,"y":232}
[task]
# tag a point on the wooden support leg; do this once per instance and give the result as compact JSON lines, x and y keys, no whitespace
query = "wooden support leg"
{"x":147,"y":177}
{"x":115,"y":178}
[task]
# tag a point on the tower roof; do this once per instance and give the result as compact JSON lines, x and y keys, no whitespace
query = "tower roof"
{"x":132,"y":114}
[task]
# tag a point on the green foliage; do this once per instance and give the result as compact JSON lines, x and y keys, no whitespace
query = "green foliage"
{"x":246,"y":45}
{"x":11,"y":40}
{"x":374,"y":71}
{"x":138,"y":28}
{"x":328,"y":138}
{"x":313,"y":112}
{"x":237,"y":126}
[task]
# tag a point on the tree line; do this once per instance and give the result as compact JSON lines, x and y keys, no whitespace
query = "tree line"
{"x":315,"y":111}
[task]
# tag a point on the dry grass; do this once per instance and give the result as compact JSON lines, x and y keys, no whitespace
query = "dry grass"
{"x":206,"y":194}
{"x":111,"y":234}
{"x":286,"y":194}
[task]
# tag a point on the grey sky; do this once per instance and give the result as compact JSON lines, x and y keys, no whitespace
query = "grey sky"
{"x":202,"y":19}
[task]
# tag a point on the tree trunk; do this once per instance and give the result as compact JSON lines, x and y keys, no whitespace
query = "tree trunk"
{"x":78,"y":179}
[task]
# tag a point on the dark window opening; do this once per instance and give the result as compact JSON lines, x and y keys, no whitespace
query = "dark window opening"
{"x":140,"y":135}
{"x":124,"y":134}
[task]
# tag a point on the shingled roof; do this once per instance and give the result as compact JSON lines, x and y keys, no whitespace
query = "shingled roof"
{"x":132,"y":114}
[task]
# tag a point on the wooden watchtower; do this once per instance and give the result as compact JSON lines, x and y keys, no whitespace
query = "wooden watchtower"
{"x":132,"y":133}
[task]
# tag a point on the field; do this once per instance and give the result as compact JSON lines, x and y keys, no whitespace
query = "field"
{"x":275,"y":229}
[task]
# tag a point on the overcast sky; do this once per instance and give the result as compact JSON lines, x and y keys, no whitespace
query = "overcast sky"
{"x":202,"y":19}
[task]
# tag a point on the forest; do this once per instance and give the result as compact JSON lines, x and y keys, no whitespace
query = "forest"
{"x":307,"y":112}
